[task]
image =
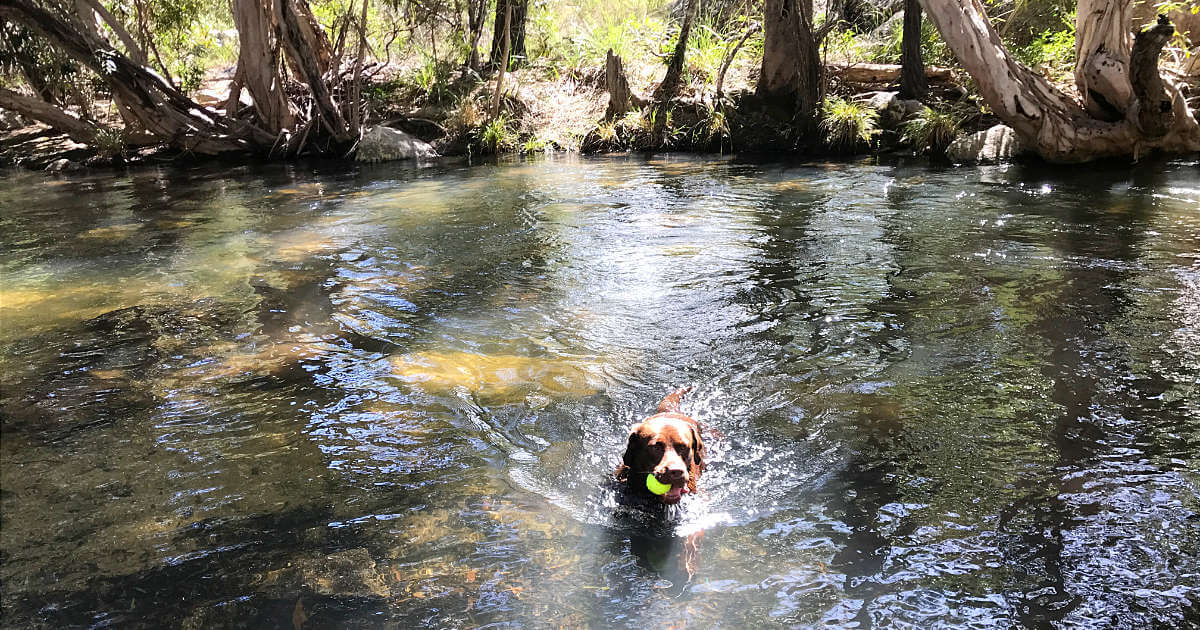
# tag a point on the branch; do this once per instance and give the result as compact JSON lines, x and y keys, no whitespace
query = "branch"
{"x":733,"y":53}
{"x":61,"y":120}
{"x":1154,"y":112}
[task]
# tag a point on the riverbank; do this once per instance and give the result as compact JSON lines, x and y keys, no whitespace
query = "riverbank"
{"x":540,"y":110}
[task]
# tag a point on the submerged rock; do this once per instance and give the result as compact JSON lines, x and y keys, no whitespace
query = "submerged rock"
{"x":502,"y":377}
{"x":349,"y":573}
{"x":381,"y":144}
{"x":996,"y":144}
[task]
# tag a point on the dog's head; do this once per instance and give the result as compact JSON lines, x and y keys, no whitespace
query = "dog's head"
{"x":668,"y":446}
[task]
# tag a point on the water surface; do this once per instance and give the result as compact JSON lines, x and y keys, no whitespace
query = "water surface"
{"x":297,"y":396}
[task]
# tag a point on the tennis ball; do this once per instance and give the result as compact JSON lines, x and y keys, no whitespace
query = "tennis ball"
{"x":656,"y":486}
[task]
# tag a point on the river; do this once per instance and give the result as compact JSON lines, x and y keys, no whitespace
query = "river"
{"x":307,"y":396}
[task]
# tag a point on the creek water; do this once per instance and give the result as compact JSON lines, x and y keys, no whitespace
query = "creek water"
{"x":310,"y":397}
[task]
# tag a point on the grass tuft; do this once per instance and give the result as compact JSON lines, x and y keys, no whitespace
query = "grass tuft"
{"x":932,"y":130}
{"x":847,"y":126}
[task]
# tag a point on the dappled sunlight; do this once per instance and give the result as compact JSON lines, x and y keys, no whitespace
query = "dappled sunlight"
{"x":287,"y":397}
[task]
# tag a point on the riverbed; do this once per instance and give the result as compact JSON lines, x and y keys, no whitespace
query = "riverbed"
{"x":312,"y":396}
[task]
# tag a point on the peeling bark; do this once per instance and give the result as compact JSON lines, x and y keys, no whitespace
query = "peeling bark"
{"x":1052,"y":123}
{"x":301,"y":46}
{"x":1152,"y":103}
{"x":1102,"y":54}
{"x":155,"y":105}
{"x":75,"y":127}
{"x":258,"y":65}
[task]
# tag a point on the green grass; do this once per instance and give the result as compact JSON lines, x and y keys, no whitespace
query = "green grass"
{"x":497,"y":136}
{"x":847,"y":126}
{"x":932,"y":130}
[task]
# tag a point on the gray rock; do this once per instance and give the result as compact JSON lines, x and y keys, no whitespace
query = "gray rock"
{"x":997,"y":144}
{"x":62,"y":165}
{"x":380,"y":144}
{"x":10,"y":120}
{"x":892,"y":109}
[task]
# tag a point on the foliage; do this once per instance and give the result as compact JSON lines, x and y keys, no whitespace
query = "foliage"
{"x":110,"y":143}
{"x":497,"y":135}
{"x":534,"y":144}
{"x":932,"y":130}
{"x":848,"y":126}
{"x":1053,"y":49}
{"x":431,"y":79}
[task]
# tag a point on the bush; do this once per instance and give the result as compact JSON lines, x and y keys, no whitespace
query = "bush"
{"x":497,"y":136}
{"x":932,"y":130}
{"x":1054,"y":50}
{"x":847,"y":126}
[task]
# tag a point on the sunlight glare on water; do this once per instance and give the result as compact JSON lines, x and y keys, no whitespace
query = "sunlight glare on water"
{"x":933,"y":397}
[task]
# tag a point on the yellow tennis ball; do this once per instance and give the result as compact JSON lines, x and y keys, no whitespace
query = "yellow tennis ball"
{"x":656,"y":486}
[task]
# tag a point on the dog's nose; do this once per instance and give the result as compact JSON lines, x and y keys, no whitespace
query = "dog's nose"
{"x":672,"y":475}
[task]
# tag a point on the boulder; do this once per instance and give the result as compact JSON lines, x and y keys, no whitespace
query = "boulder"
{"x":62,"y":165}
{"x":380,"y":144}
{"x":892,"y":109}
{"x":996,"y":144}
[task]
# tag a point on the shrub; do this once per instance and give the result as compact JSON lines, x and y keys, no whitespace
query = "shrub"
{"x":496,"y":136}
{"x":932,"y":130}
{"x":848,"y":126}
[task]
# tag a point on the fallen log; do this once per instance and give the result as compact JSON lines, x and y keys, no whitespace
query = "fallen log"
{"x":880,"y":72}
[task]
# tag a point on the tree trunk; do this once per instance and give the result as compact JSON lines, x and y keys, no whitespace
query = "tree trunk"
{"x":912,"y":79}
{"x":790,"y":80}
{"x":1057,"y":127}
{"x":302,"y":45}
{"x":132,"y":49}
{"x":516,"y":30}
{"x":621,"y":99}
{"x":476,"y":16}
{"x":315,"y":49}
{"x":155,"y":105}
{"x":1102,"y":42}
{"x":76,"y":128}
{"x":504,"y":57}
{"x":258,"y":65}
{"x":670,"y":83}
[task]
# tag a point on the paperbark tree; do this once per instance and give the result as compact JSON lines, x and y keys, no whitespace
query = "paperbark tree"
{"x":151,"y":104}
{"x":790,"y":80}
{"x":154,"y":105}
{"x":1127,"y":110}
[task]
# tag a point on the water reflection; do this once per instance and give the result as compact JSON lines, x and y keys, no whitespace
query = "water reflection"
{"x":288,"y":395}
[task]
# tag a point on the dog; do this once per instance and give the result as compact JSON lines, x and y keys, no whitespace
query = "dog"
{"x":668,"y":446}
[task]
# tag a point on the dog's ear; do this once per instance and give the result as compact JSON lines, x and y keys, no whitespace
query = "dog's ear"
{"x":634,"y":446}
{"x":698,"y":451}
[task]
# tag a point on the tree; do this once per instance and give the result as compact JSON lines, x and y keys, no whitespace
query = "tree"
{"x":790,"y":80}
{"x":271,"y":32}
{"x":516,"y":31}
{"x":912,"y":67}
{"x":670,"y":83}
{"x":1127,"y":109}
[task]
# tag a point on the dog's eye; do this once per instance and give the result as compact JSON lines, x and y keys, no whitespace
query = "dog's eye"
{"x":683,"y":449}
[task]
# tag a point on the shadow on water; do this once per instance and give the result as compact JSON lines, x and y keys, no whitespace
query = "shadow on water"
{"x":292,"y":396}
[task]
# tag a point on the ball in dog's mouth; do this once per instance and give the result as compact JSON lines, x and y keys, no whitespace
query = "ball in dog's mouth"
{"x":667,"y":492}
